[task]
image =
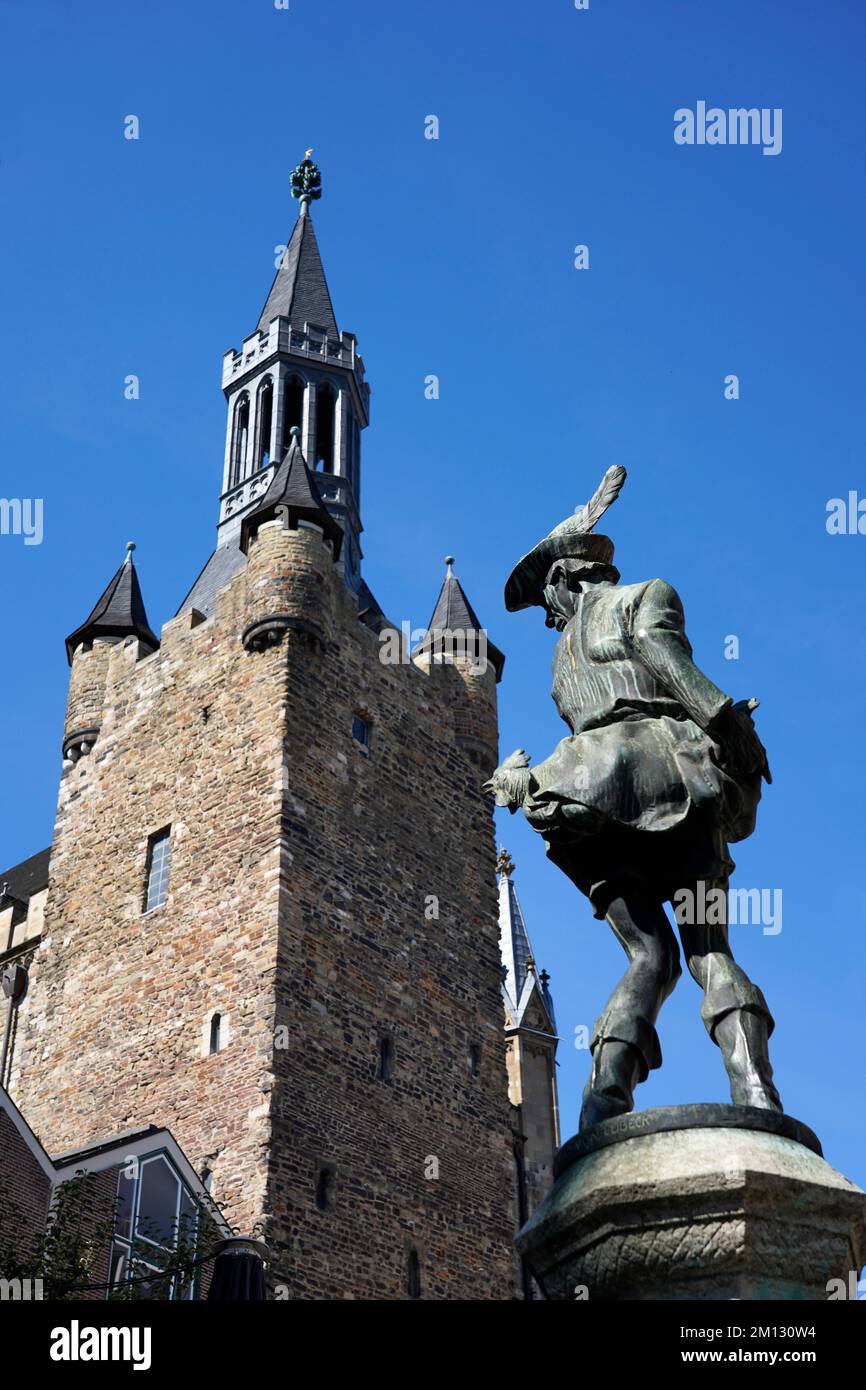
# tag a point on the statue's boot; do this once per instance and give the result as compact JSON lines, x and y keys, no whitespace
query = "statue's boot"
{"x":737,"y":1018}
{"x":610,"y":1089}
{"x":742,"y":1037}
{"x":624,"y":1049}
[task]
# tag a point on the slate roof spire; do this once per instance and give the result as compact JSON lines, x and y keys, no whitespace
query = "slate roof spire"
{"x":520,"y":977}
{"x":300,"y":290}
{"x":454,"y":613}
{"x":294,"y":488}
{"x":119,"y":612}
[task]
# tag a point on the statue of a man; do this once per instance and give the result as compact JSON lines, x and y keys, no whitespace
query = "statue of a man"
{"x":638,"y":805}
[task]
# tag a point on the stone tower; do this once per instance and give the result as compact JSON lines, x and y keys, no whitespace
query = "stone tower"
{"x":271,"y":919}
{"x":531,"y":1042}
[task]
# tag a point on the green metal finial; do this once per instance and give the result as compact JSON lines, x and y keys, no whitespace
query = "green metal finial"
{"x":306,"y":180}
{"x":130,"y":546}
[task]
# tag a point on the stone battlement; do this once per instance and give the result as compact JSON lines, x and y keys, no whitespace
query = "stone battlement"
{"x":290,"y":575}
{"x":309,"y":342}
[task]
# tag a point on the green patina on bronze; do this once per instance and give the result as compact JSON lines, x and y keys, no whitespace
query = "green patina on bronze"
{"x":306,"y":179}
{"x":661,"y":771}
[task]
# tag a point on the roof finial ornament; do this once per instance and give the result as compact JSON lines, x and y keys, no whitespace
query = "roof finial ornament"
{"x":449,"y":561}
{"x":306,"y":181}
{"x":130,"y":546}
{"x":504,"y":864}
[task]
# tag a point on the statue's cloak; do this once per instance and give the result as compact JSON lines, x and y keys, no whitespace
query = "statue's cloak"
{"x":638,"y":788}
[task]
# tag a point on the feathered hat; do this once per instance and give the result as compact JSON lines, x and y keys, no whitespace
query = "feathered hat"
{"x":572,"y":539}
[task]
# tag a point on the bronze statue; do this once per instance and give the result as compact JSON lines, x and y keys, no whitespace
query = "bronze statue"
{"x":638,"y":805}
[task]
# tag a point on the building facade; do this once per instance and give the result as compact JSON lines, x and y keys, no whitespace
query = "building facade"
{"x":269,"y":921}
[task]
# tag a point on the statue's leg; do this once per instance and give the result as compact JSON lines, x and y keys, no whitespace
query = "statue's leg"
{"x":734,"y":1011}
{"x":625,"y":1045}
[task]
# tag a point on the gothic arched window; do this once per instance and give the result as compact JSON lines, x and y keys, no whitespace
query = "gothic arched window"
{"x":266,"y":415}
{"x":216,"y":1041}
{"x":293,"y":408}
{"x":326,"y":412}
{"x":240,"y":439}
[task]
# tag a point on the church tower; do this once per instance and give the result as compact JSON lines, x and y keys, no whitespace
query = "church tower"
{"x":530,"y":1049}
{"x":296,"y":370}
{"x":271,"y":916}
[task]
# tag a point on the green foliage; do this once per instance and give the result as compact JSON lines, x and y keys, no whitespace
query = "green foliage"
{"x":71,"y":1255}
{"x":65,"y":1254}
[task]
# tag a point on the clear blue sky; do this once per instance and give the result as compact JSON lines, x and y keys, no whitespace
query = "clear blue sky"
{"x":456,"y":258}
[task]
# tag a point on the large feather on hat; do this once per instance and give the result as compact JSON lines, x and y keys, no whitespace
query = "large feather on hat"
{"x":571,"y":539}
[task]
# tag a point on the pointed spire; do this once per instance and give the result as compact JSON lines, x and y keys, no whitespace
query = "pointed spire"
{"x":119,"y":612}
{"x":520,"y":978}
{"x":454,"y":613}
{"x":514,"y":946}
{"x":300,"y":291}
{"x":294,"y":488}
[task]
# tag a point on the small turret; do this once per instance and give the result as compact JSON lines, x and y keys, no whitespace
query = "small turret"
{"x":455,"y":638}
{"x":119,"y":613}
{"x":291,"y":542}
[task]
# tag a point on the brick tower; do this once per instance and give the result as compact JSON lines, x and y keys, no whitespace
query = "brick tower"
{"x":271,"y":916}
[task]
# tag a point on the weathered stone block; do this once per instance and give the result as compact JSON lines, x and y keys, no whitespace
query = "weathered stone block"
{"x":697,"y":1213}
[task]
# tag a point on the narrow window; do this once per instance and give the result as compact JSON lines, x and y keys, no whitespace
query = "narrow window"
{"x":326,"y":402}
{"x":350,"y":451}
{"x":215,"y":1033}
{"x":385,"y":1068}
{"x":413,"y":1275}
{"x":325,"y":1189}
{"x":474,"y":1059}
{"x":293,"y":408}
{"x":361,"y":731}
{"x":266,"y":415}
{"x":158,"y":868}
{"x":355,"y":437}
{"x":241,"y":435}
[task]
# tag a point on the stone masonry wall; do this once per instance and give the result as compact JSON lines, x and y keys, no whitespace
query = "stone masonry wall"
{"x":301,"y":870}
{"x":111,"y":1030}
{"x":419,"y":1158}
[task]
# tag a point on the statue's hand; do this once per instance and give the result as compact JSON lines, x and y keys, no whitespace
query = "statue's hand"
{"x":743,"y":754}
{"x":510,"y":782}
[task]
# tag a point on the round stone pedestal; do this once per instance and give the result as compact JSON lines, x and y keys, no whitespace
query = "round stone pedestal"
{"x":696,"y":1202}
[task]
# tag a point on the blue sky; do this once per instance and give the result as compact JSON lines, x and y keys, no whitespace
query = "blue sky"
{"x":455,"y":257}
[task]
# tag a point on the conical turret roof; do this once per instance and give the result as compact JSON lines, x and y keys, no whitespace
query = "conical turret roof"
{"x":300,"y":290}
{"x":454,"y":613}
{"x":294,"y":487}
{"x":118,"y":612}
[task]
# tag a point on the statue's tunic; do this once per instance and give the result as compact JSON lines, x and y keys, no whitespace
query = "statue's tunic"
{"x":638,"y":782}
